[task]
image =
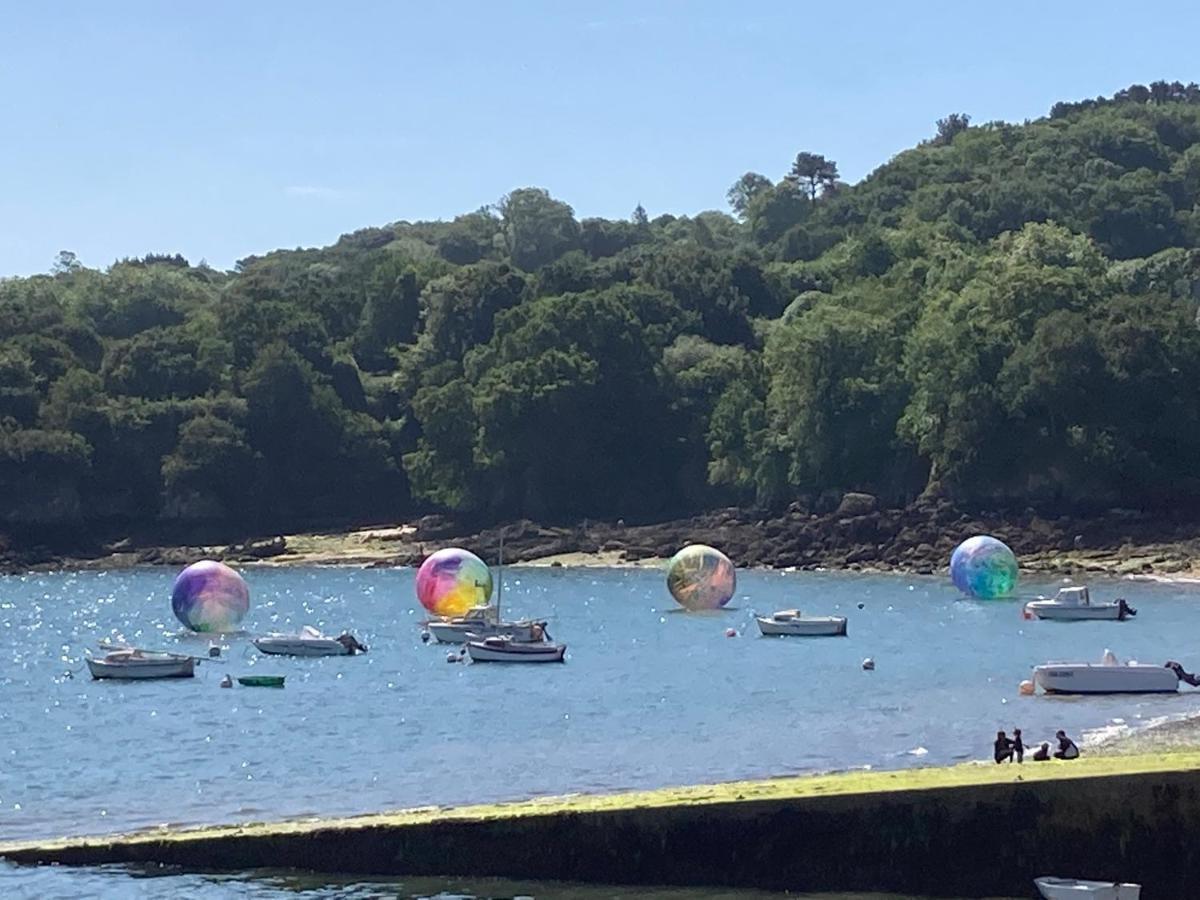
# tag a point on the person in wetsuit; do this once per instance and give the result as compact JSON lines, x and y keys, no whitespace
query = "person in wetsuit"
{"x":1002,"y":748}
{"x":1066,"y":747}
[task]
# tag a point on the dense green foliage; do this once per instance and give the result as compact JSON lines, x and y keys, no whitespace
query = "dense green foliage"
{"x":1004,"y":314}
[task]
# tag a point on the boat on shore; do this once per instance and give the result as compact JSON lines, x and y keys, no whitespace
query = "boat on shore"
{"x":500,"y":648}
{"x":793,"y":622}
{"x":1052,"y":888}
{"x":1111,"y":677}
{"x":309,"y":642}
{"x":1074,"y":604}
{"x":132,"y":664}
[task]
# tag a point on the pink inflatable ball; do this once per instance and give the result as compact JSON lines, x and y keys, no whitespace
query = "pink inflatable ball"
{"x":701,"y":577}
{"x":209,"y":596}
{"x":452,"y":581}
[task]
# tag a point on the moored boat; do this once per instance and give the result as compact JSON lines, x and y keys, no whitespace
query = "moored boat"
{"x":261,"y":680}
{"x":309,"y":642}
{"x":793,"y":622}
{"x":133,"y":664}
{"x":1052,"y":888}
{"x":1074,"y":604}
{"x":484,"y":621}
{"x":500,"y":648}
{"x":1109,"y":677}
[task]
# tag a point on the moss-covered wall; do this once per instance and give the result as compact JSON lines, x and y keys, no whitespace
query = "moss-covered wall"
{"x":959,"y":840}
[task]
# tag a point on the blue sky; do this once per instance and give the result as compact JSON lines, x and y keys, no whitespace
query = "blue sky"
{"x":220,"y":129}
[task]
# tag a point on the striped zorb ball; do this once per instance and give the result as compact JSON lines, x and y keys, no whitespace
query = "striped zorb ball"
{"x":984,"y":567}
{"x":452,"y":581}
{"x":701,"y":577}
{"x":210,"y":596}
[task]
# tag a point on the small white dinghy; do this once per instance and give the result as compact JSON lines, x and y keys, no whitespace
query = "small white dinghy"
{"x":130,"y":663}
{"x":1074,"y":604}
{"x":501,"y":648}
{"x":792,"y":621}
{"x":1052,"y":888}
{"x":1110,"y":677}
{"x":309,"y":642}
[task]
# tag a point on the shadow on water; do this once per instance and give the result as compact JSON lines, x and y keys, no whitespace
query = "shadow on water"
{"x":161,"y":881}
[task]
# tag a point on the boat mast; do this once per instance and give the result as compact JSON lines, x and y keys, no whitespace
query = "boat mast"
{"x":500,"y":578}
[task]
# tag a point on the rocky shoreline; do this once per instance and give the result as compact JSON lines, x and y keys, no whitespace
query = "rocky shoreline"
{"x":858,"y":534}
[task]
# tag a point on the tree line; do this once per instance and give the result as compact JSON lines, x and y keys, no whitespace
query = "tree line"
{"x":1003,"y":314}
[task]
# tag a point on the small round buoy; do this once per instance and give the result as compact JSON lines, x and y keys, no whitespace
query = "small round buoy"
{"x":1025,"y":688}
{"x":214,"y":651}
{"x":227,"y":681}
{"x":730,"y":632}
{"x":862,"y":606}
{"x":452,"y":657}
{"x":425,"y":636}
{"x":868,"y":665}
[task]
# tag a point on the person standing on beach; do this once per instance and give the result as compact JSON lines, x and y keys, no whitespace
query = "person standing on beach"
{"x":1003,"y":748}
{"x":1018,"y":746}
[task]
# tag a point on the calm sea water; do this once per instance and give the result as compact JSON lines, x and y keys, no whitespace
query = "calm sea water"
{"x":649,"y":696}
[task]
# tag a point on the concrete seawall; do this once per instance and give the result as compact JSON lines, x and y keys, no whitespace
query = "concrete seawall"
{"x":963,"y":831}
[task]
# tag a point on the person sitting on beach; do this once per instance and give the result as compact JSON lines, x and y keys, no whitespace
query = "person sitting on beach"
{"x":1066,"y":747}
{"x":1018,"y":746}
{"x":1042,"y":753}
{"x":1002,"y":748}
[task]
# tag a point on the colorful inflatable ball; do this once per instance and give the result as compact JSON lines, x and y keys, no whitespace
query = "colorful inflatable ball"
{"x":984,"y":567}
{"x":210,"y":596}
{"x":701,"y":577}
{"x":452,"y":581}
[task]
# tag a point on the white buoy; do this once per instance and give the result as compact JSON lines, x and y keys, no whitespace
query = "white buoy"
{"x":868,"y":665}
{"x":1025,"y":688}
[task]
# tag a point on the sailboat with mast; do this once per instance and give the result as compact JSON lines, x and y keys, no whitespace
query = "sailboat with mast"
{"x":485,"y":621}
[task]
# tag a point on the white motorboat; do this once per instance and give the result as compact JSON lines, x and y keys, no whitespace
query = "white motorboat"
{"x":309,"y":642}
{"x":1052,"y":888}
{"x":792,"y":621}
{"x":133,"y":664}
{"x":484,"y":621}
{"x":1110,"y":677}
{"x":1074,"y":604}
{"x":500,"y":648}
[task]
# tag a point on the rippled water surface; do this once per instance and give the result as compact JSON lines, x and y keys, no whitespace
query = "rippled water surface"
{"x":131,"y":883}
{"x":648,"y":696}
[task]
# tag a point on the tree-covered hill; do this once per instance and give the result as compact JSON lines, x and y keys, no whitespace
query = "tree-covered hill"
{"x":1005,"y":314}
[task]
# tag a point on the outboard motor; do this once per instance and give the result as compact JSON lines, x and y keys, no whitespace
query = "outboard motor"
{"x":1181,"y":674}
{"x":1124,"y":610}
{"x":351,"y":643}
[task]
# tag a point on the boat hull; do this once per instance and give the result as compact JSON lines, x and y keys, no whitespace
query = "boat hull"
{"x":480,"y":652}
{"x":456,"y":632}
{"x":142,"y":670}
{"x":300,"y":647}
{"x":1100,"y":679}
{"x":818,"y":626}
{"x":1076,"y":889}
{"x":1108,"y":612}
